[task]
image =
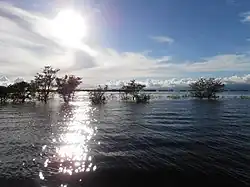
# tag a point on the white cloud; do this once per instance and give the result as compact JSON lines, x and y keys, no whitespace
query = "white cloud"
{"x":162,"y":39}
{"x":27,"y":45}
{"x":164,"y":59}
{"x":246,"y":16}
{"x":181,"y":82}
{"x":245,"y":79}
{"x":226,"y":62}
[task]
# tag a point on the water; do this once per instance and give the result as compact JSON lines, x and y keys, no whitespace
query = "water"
{"x":169,"y":141}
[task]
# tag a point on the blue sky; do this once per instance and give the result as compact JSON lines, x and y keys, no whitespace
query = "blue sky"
{"x":156,"y":40}
{"x":199,"y":28}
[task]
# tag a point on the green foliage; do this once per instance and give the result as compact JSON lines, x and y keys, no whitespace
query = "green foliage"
{"x":21,"y":91}
{"x":206,"y":88}
{"x":244,"y":97}
{"x":133,"y":90}
{"x":97,"y":96}
{"x":44,"y":83}
{"x":66,"y":86}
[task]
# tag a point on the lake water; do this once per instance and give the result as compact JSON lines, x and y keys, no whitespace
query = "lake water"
{"x":167,"y":141}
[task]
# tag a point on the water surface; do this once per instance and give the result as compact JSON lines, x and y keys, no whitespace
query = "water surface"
{"x":75,"y":144}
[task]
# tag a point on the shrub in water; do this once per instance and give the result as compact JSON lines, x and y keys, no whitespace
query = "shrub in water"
{"x":142,"y":98}
{"x":133,"y":90}
{"x":244,"y":97}
{"x":97,"y":96}
{"x":66,"y":86}
{"x":206,"y":88}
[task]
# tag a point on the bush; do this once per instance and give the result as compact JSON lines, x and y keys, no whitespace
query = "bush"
{"x":45,"y":83}
{"x":244,"y":97}
{"x":66,"y":86}
{"x":132,"y":90}
{"x":142,"y":98}
{"x":3,"y":94}
{"x":185,"y":96}
{"x":20,"y":91}
{"x":97,"y":96}
{"x":174,"y":96}
{"x":206,"y":88}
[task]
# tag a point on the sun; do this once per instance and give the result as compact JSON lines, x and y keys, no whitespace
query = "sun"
{"x":69,"y":27}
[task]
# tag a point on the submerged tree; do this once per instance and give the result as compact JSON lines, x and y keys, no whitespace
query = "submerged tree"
{"x":44,"y":82}
{"x":206,"y":88}
{"x":21,"y":91}
{"x":142,"y":98}
{"x":66,"y":86}
{"x":97,"y":96}
{"x":133,"y":90}
{"x":3,"y":94}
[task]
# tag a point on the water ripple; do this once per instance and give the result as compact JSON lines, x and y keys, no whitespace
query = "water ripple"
{"x":44,"y":141}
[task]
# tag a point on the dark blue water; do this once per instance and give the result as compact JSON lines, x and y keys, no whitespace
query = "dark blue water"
{"x":121,"y":144}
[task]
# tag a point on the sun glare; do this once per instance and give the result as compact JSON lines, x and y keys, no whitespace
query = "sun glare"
{"x":69,"y":27}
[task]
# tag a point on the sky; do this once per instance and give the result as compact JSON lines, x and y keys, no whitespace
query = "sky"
{"x":159,"y":43}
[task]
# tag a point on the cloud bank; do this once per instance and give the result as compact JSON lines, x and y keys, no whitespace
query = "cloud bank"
{"x":156,"y":83}
{"x":182,"y":82}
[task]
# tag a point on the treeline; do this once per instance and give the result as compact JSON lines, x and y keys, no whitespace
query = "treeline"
{"x":45,"y":83}
{"x":40,"y":88}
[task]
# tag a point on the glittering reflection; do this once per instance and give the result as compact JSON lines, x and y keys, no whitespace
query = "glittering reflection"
{"x":41,"y":175}
{"x":73,"y":143}
{"x":74,"y":151}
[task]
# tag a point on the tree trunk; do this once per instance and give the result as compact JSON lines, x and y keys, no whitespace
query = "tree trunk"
{"x":46,"y":96}
{"x":65,"y":99}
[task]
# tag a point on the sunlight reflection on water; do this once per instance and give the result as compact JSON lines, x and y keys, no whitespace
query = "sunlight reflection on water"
{"x":76,"y":142}
{"x":55,"y":140}
{"x":72,"y":146}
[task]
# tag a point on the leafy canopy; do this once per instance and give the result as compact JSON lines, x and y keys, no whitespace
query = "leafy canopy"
{"x":44,"y":82}
{"x":67,"y":85}
{"x":97,"y":96}
{"x":206,"y":88}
